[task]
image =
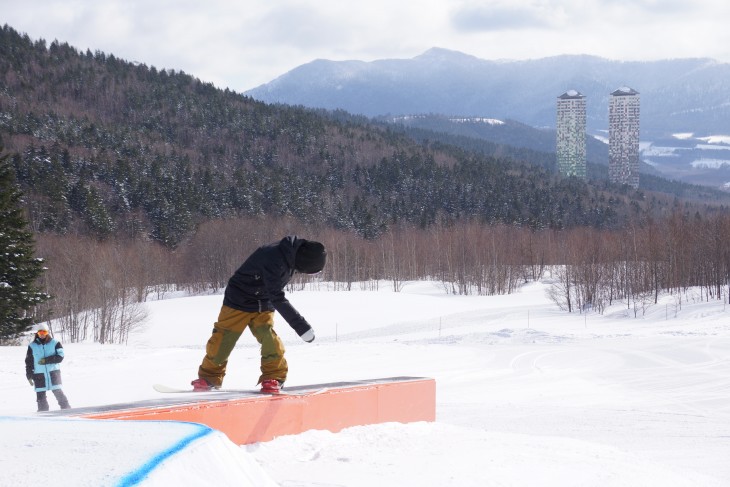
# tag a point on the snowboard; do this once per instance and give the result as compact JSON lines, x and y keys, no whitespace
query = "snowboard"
{"x":176,"y":390}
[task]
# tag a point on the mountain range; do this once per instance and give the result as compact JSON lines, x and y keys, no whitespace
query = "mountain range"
{"x":684,"y":102}
{"x":677,"y":96}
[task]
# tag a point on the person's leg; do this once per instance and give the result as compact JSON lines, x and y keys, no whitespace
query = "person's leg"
{"x":226,"y":332}
{"x":41,"y":400}
{"x":61,"y":398}
{"x":273,"y":363}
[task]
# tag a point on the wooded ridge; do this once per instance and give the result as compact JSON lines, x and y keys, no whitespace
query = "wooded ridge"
{"x":106,"y":147}
{"x":139,"y":180}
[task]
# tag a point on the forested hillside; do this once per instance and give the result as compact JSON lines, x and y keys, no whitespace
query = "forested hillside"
{"x":105,"y":147}
{"x":650,"y":180}
{"x":137,"y":180}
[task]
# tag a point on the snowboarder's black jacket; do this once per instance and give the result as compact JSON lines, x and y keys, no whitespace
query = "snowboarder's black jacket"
{"x":258,"y":285}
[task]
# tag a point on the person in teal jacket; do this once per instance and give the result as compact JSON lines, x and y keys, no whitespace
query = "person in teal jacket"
{"x":42,"y":368}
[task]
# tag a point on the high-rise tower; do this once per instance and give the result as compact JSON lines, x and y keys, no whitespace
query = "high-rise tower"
{"x":571,"y":134}
{"x":623,"y":137}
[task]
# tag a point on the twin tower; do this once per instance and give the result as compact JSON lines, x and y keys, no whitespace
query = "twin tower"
{"x":623,"y":136}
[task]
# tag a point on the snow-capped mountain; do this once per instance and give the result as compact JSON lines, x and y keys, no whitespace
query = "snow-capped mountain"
{"x":689,"y":97}
{"x":677,"y":96}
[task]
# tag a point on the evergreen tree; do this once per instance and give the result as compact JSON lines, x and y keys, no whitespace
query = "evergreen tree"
{"x":19,"y":270}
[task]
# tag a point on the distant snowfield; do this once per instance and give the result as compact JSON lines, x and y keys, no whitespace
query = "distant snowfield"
{"x":488,"y":121}
{"x":526,"y":395}
{"x":716,"y":139}
{"x":658,"y":151}
{"x":705,"y":161}
{"x":716,"y":146}
{"x":711,"y":163}
{"x":711,"y":139}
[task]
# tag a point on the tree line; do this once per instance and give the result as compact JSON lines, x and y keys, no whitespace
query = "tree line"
{"x":98,"y":287}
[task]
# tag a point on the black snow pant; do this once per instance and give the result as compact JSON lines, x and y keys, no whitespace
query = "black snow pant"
{"x":43,"y":401}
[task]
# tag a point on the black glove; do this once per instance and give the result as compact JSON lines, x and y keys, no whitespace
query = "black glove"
{"x":308,"y":336}
{"x":30,"y":381}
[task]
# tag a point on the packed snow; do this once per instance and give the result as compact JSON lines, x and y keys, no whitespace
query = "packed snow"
{"x":527,"y":395}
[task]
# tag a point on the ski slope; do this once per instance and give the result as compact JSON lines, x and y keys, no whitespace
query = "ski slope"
{"x":526,"y":395}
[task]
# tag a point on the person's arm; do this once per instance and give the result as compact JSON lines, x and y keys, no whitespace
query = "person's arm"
{"x":29,"y":364}
{"x":54,"y":359}
{"x":290,"y":314}
{"x":278,"y":300}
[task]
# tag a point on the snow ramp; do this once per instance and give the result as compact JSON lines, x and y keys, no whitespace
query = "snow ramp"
{"x":122,"y":454}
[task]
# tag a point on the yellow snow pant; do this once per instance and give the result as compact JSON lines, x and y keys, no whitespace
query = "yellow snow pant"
{"x":226,"y":332}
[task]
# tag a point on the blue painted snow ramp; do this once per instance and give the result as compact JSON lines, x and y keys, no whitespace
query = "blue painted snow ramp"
{"x":138,"y":475}
{"x":109,"y":453}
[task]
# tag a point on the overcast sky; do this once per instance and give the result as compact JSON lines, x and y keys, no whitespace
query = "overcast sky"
{"x":243,"y":44}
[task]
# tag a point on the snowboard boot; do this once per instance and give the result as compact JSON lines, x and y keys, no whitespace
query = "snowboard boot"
{"x":201,"y":385}
{"x":61,"y":398}
{"x":42,"y":401}
{"x":271,"y":386}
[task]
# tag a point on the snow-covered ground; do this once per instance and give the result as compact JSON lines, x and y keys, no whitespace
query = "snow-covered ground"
{"x":698,"y":160}
{"x":527,"y":395}
{"x":710,"y":163}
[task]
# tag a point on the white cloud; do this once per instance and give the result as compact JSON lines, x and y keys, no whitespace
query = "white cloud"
{"x":241,"y":44}
{"x":502,"y":16}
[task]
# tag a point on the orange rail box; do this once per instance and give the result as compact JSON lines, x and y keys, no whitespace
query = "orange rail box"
{"x":249,"y":417}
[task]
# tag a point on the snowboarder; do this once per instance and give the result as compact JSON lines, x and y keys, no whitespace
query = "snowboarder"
{"x":252,"y":295}
{"x":42,"y":368}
